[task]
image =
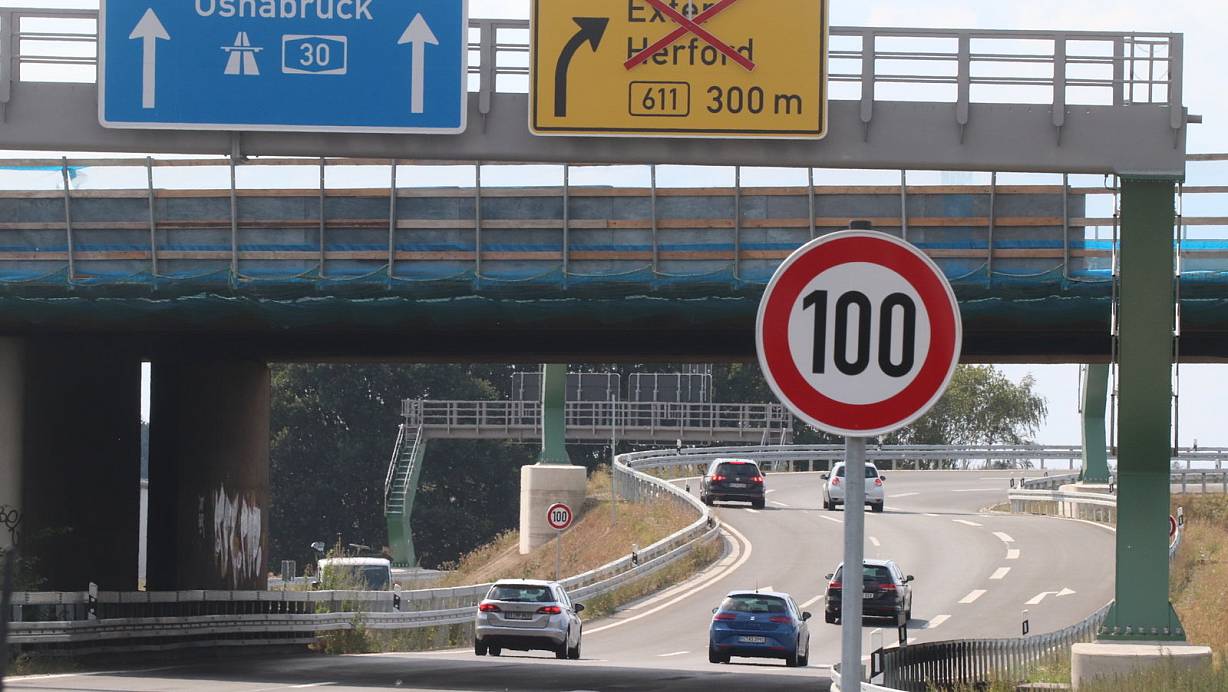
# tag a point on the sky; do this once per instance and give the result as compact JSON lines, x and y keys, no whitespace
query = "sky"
{"x":1202,"y":416}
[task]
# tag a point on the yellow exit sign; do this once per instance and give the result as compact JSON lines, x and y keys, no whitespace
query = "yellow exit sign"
{"x":679,"y":68}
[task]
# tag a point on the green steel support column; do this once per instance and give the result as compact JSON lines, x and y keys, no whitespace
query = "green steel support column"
{"x":554,"y":424}
{"x":1095,"y":396}
{"x":1142,"y":610}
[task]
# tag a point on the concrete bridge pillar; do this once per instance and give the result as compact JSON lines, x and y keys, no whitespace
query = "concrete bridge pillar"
{"x":80,"y":471}
{"x":553,"y":479}
{"x":12,"y":403}
{"x":208,"y":475}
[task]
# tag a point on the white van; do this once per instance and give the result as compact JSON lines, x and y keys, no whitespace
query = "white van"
{"x":375,"y":573}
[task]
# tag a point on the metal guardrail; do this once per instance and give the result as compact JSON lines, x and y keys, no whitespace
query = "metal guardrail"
{"x":598,"y":420}
{"x":1061,"y":67}
{"x":166,"y":620}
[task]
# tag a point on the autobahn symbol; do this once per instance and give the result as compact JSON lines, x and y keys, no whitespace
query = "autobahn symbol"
{"x":858,"y":333}
{"x":559,"y":516}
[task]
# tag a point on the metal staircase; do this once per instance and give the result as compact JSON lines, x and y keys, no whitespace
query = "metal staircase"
{"x":400,"y":489}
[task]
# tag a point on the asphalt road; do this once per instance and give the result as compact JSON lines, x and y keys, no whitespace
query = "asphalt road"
{"x":975,"y":574}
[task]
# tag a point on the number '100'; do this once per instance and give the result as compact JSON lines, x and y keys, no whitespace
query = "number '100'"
{"x":886,"y":316}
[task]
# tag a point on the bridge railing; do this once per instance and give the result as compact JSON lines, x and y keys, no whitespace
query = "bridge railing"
{"x":960,"y":66}
{"x":598,"y":419}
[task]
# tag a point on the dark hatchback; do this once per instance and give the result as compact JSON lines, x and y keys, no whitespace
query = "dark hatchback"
{"x":886,"y":592}
{"x":733,"y":479}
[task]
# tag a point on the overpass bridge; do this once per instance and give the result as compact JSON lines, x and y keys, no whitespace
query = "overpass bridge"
{"x":1108,"y":103}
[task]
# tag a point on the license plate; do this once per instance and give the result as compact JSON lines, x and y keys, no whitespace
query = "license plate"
{"x":753,"y":640}
{"x":867,"y":594}
{"x":737,"y":485}
{"x":519,"y":616}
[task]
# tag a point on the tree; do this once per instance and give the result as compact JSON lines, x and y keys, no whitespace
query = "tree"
{"x":332,"y":432}
{"x":981,"y":406}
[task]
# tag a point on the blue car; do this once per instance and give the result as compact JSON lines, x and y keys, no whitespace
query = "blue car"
{"x":759,"y":624}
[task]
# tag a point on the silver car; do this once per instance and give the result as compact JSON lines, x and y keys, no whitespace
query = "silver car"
{"x":528,"y":615}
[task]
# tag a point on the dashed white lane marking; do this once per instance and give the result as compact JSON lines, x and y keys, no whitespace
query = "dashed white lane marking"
{"x":930,"y":515}
{"x":976,"y":490}
{"x":741,"y":543}
{"x":1005,"y":538}
{"x":779,"y":504}
{"x":814,"y":600}
{"x":672,"y":653}
{"x":824,"y":516}
{"x":973,"y":595}
{"x":752,"y":511}
{"x":768,"y":492}
{"x":874,"y":542}
{"x":903,"y":495}
{"x":936,"y":621}
{"x":1012,"y":554}
{"x":314,"y":684}
{"x":965,"y":522}
{"x":1000,"y":573}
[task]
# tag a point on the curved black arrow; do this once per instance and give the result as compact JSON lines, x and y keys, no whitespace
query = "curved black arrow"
{"x":591,"y":31}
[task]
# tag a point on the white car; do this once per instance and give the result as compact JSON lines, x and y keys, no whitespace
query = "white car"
{"x":528,"y":615}
{"x":833,"y":488}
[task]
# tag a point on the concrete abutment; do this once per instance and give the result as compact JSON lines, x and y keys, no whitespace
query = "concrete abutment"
{"x":209,"y":474}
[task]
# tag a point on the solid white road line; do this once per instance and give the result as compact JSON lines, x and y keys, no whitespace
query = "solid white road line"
{"x":930,"y":515}
{"x":779,"y":504}
{"x":741,"y":541}
{"x":1005,"y":538}
{"x":1012,"y":554}
{"x":673,"y":653}
{"x":976,"y":490}
{"x":902,"y":495}
{"x":936,"y":621}
{"x":965,"y":522}
{"x":752,"y":511}
{"x":1000,"y":573}
{"x":874,"y":542}
{"x":769,"y":492}
{"x":812,"y":601}
{"x":314,"y":684}
{"x":824,"y":516}
{"x":973,"y":595}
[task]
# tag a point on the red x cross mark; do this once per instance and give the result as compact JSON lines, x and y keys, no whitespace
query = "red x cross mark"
{"x":689,"y":26}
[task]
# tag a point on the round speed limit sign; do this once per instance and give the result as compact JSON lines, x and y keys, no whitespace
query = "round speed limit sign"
{"x":559,"y":516}
{"x":858,"y":333}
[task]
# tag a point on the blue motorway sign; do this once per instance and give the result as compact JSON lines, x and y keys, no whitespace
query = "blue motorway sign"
{"x":288,"y":65}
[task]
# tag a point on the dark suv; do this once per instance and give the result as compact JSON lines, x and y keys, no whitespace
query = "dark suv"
{"x":885,"y":592}
{"x":733,"y":479}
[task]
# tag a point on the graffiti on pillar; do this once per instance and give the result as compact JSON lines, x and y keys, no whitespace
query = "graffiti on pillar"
{"x":237,"y":530}
{"x":10,"y":519}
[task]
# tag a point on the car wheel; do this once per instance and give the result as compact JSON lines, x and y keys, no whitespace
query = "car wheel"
{"x":479,"y":649}
{"x":713,"y":656}
{"x":829,"y":618}
{"x":792,"y":659}
{"x":574,"y":653}
{"x":495,"y":650}
{"x":804,"y":661}
{"x":877,"y":507}
{"x":706,"y":500}
{"x":757,"y":504}
{"x":561,"y":651}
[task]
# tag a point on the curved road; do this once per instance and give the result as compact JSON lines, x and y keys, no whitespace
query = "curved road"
{"x":975,"y":573}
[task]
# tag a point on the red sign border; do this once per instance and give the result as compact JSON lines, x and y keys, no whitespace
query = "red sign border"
{"x":570,"y":514}
{"x":776,"y":361}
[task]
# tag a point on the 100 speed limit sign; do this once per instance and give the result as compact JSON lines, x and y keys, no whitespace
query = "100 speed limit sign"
{"x":858,"y":333}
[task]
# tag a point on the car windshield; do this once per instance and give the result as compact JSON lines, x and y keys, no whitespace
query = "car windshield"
{"x":871,"y":574}
{"x":754,"y":603}
{"x":521,"y":593}
{"x":738,"y":470}
{"x":871,"y":472}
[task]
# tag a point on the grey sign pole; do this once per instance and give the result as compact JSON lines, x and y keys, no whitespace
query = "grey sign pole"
{"x":854,"y":549}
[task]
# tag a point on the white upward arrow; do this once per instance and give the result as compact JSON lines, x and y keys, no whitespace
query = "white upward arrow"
{"x":419,"y":34}
{"x":149,"y":30}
